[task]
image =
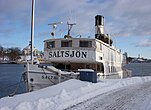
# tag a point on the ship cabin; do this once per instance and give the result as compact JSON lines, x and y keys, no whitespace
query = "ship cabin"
{"x":97,"y":53}
{"x":71,"y":54}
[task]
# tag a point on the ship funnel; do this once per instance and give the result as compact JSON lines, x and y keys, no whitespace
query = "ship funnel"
{"x":99,"y":24}
{"x":99,"y":30}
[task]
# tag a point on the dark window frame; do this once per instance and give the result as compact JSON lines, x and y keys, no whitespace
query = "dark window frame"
{"x":66,"y":43}
{"x":51,"y":44}
{"x":84,"y":43}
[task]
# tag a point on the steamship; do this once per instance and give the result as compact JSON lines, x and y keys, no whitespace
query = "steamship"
{"x":68,"y":55}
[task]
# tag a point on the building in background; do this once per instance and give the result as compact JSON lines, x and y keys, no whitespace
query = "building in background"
{"x":26,"y":53}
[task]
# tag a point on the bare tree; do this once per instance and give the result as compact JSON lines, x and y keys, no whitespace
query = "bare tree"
{"x":13,"y":53}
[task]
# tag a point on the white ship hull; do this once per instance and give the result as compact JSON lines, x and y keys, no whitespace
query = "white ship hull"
{"x":37,"y":77}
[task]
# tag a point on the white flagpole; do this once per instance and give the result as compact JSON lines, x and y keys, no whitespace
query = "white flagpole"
{"x":32,"y":30}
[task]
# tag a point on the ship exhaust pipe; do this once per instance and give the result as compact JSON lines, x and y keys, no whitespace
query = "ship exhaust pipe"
{"x":99,"y":24}
{"x":99,"y":30}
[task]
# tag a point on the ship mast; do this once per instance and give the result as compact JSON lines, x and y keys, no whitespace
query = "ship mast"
{"x":32,"y":30}
{"x":54,"y":26}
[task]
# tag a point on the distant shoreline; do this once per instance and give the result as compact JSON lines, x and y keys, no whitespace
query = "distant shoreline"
{"x":21,"y":62}
{"x":12,"y":62}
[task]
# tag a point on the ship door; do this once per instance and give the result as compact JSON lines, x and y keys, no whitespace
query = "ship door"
{"x":100,"y":67}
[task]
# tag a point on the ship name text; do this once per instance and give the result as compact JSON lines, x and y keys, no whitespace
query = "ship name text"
{"x":67,"y":53}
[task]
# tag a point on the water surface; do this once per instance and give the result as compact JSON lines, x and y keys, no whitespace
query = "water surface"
{"x":10,"y":76}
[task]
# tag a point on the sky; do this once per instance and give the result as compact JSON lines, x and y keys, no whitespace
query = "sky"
{"x":128,"y":22}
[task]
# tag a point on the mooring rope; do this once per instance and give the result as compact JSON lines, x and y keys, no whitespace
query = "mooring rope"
{"x":7,"y":89}
{"x":16,"y":89}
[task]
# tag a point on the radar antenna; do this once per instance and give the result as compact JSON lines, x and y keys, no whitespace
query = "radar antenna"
{"x":54,"y":26}
{"x":70,"y":25}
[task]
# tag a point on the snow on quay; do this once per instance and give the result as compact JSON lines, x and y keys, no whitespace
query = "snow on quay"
{"x":66,"y":94}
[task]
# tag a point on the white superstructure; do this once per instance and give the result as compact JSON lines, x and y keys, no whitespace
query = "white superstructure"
{"x":75,"y":53}
{"x":97,"y":53}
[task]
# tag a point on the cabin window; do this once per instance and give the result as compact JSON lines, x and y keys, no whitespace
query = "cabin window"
{"x":100,"y":58}
{"x":100,"y":46}
{"x":85,"y":44}
{"x":66,"y":43}
{"x":51,"y":44}
{"x":109,"y":68}
{"x":87,"y":66}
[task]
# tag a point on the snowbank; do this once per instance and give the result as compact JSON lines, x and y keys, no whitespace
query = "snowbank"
{"x":65,"y":94}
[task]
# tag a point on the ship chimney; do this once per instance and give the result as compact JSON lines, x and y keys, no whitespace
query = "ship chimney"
{"x":99,"y":24}
{"x":99,"y":30}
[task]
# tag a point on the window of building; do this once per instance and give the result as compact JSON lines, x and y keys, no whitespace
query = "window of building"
{"x":85,"y":44}
{"x":51,"y":44}
{"x":67,"y":43}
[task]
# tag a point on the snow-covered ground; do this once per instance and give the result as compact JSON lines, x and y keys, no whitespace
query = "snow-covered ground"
{"x":130,"y":93}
